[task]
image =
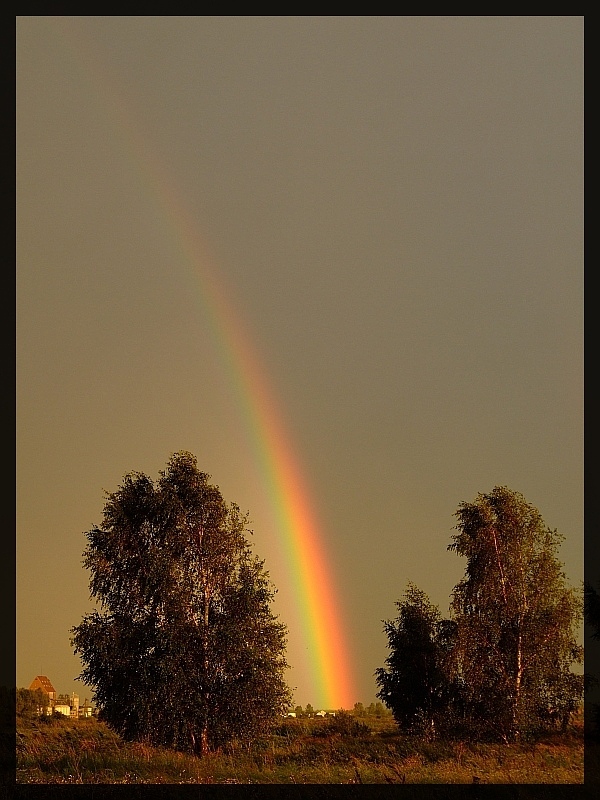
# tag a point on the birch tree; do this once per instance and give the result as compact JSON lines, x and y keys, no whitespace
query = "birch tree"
{"x":516,"y":617}
{"x":185,"y":651}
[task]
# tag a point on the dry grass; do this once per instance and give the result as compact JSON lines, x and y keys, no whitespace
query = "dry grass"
{"x":300,"y":751}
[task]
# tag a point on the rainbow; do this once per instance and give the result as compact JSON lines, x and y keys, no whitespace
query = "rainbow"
{"x":311,"y":577}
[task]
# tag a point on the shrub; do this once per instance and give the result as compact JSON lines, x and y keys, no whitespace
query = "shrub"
{"x":343,"y":724}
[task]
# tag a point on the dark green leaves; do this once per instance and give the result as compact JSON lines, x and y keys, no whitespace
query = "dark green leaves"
{"x":185,"y":652}
{"x":501,"y":667}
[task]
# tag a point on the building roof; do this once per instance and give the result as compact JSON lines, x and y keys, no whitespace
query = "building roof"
{"x":42,"y":682}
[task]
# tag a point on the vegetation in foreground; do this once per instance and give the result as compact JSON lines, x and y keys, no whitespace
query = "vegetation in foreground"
{"x":187,"y":660}
{"x":341,"y":750}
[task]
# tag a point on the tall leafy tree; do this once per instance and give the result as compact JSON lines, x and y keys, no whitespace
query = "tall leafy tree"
{"x":416,"y":682}
{"x":185,"y":651}
{"x":359,"y":710}
{"x":516,"y":617}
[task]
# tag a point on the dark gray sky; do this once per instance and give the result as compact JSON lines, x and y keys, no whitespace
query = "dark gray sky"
{"x":394,"y":207}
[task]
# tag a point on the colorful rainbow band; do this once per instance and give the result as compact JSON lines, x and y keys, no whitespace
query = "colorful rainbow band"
{"x":312,"y":579}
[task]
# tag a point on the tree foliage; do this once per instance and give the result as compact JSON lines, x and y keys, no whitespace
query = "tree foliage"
{"x":359,"y":710}
{"x":516,"y":617}
{"x":31,"y":702}
{"x":415,"y":684}
{"x":502,"y":665}
{"x":185,"y":651}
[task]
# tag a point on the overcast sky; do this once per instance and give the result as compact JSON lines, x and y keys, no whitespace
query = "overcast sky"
{"x":393,"y":207}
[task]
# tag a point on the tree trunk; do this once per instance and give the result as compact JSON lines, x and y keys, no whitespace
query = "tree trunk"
{"x":517,"y":690}
{"x":204,"y":740}
{"x":205,"y":694}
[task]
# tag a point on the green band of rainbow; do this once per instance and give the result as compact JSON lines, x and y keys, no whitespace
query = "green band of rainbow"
{"x":311,"y":577}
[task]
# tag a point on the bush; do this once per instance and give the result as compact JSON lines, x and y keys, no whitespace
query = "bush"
{"x":291,"y":729}
{"x":343,"y":724}
{"x":29,"y":702}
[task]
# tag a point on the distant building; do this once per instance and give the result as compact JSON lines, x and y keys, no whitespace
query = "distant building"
{"x":43,"y":683}
{"x":67,"y":705}
{"x":86,"y":709}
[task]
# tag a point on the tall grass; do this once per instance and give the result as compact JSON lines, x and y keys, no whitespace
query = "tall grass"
{"x":298,"y":751}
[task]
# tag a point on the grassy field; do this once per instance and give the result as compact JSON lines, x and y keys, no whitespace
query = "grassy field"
{"x":300,"y":751}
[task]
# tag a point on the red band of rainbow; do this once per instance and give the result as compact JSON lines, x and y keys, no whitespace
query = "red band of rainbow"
{"x":310,"y":574}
